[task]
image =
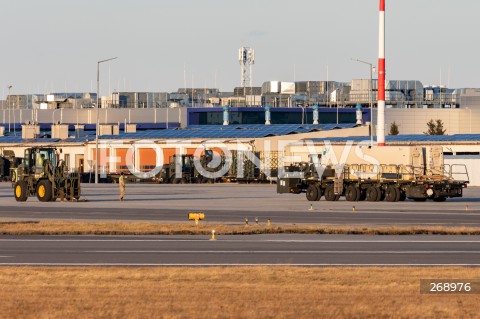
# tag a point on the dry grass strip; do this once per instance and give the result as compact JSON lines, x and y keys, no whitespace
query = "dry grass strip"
{"x":151,"y":228}
{"x":237,"y":292}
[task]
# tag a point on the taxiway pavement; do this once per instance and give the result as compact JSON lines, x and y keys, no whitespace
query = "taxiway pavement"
{"x":295,"y":250}
{"x":231,"y":203}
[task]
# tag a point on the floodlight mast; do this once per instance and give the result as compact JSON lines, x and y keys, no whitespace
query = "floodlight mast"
{"x":370,"y":95}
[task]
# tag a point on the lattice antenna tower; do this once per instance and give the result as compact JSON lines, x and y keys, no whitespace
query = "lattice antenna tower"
{"x":246,"y":57}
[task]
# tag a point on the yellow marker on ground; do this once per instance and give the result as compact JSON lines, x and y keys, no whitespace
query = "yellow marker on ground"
{"x":213,"y":235}
{"x":196,"y":215}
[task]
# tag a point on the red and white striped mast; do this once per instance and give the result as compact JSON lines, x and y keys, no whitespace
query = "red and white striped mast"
{"x":381,"y":78}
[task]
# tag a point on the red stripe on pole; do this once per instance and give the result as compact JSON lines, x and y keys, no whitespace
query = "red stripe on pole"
{"x":382,"y":5}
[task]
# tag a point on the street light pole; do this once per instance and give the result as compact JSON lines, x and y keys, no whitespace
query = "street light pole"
{"x":96,"y":126}
{"x":53,"y":116}
{"x":370,"y":96}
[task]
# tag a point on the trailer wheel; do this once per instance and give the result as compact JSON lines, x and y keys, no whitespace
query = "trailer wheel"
{"x":392,"y":194}
{"x":313,"y":193}
{"x":352,"y":194}
{"x":330,"y":194}
{"x":381,"y":194}
{"x":21,"y":191}
{"x":403,"y":196}
{"x":44,"y":191}
{"x":440,"y":199}
{"x":372,"y":194}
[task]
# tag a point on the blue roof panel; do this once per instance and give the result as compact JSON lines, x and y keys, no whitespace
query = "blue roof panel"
{"x":227,"y":131}
{"x":411,"y":138}
{"x":19,"y":139}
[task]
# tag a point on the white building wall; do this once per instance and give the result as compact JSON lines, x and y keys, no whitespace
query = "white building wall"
{"x":414,"y":121}
{"x":471,"y":164}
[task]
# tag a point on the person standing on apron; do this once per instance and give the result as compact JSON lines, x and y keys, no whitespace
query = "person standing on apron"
{"x":121,"y":185}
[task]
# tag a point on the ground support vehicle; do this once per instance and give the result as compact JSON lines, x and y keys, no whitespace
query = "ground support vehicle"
{"x":371,"y":182}
{"x":209,"y":168}
{"x":182,"y":163}
{"x":189,"y":173}
{"x":43,"y":174}
{"x":8,"y":161}
{"x":4,"y":168}
{"x":253,"y":167}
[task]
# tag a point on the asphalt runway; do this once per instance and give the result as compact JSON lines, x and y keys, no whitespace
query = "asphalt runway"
{"x":295,"y":250}
{"x":231,"y":203}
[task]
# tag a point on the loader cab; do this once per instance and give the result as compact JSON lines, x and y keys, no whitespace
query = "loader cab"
{"x":185,"y":167}
{"x":35,"y":158}
{"x":184,"y":161}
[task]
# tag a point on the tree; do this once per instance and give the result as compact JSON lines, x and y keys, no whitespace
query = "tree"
{"x":431,"y":128}
{"x":394,"y":129}
{"x":435,"y":127}
{"x":439,"y":129}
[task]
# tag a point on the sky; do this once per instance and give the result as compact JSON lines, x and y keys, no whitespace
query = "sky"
{"x":54,"y":45}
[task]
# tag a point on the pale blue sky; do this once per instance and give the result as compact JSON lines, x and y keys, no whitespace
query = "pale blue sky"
{"x":53,"y":45}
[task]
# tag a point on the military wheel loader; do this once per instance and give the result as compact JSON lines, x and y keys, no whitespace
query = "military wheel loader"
{"x":43,"y":174}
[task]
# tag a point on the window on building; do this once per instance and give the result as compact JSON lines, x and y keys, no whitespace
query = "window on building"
{"x":67,"y":161}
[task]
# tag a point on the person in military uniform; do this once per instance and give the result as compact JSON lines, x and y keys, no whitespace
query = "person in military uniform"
{"x":121,"y":185}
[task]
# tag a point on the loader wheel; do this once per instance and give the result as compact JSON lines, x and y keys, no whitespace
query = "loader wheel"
{"x":392,"y":194}
{"x":352,"y":194}
{"x":313,"y":193}
{"x":330,"y":194}
{"x":21,"y":191}
{"x":44,"y":191}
